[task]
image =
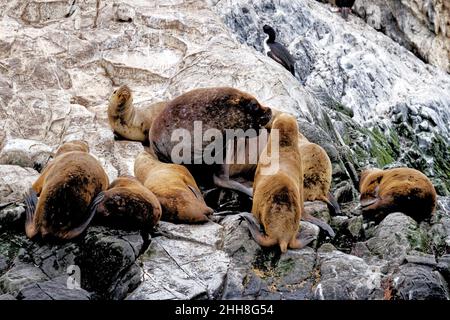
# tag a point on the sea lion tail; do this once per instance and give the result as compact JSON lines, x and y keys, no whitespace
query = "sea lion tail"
{"x":255,"y":230}
{"x":92,"y":209}
{"x":30,"y":209}
{"x":323,"y":225}
{"x":333,"y":205}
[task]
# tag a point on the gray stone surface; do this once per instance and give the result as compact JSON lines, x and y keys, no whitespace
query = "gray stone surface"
{"x":412,"y":282}
{"x":342,"y":276}
{"x":395,"y":236}
{"x":422,"y":26}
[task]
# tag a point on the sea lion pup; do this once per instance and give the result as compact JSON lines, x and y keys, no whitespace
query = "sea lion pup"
{"x":317,"y":174}
{"x":278,"y":193}
{"x":69,"y":190}
{"x":396,"y":190}
{"x":128,"y":205}
{"x":218,"y":109}
{"x":180,"y":198}
{"x":127,"y":121}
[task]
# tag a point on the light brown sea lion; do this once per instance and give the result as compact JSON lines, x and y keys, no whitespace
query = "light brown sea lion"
{"x":213,"y":108}
{"x":180,"y":198}
{"x":127,"y":121}
{"x":317,"y":174}
{"x":128,"y":205}
{"x":317,"y":168}
{"x":69,"y":190}
{"x":396,"y":190}
{"x":278,"y":196}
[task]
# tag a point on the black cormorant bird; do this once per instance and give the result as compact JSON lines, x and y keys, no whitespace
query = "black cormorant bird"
{"x":277,"y":51}
{"x":345,"y":6}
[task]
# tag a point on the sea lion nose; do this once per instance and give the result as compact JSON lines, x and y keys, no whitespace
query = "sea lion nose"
{"x":209,"y":211}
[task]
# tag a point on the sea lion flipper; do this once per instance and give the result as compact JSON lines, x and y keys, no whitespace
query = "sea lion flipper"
{"x":301,"y":240}
{"x":333,"y":205}
{"x":195,"y":192}
{"x":30,"y":202}
{"x":226,"y":183}
{"x":307,"y":217}
{"x":92,"y":209}
{"x":253,"y":226}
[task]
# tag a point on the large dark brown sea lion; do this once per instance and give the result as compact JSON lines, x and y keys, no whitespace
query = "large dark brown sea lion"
{"x":127,"y":121}
{"x":128,"y":205}
{"x":396,"y":190}
{"x":180,"y":198}
{"x":69,"y":190}
{"x":278,"y":195}
{"x":198,"y":111}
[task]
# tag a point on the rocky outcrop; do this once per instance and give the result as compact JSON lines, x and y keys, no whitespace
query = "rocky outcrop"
{"x":421,"y":26}
{"x":379,"y":104}
{"x":361,"y":96}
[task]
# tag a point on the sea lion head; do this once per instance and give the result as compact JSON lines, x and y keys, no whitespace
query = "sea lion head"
{"x":369,"y":180}
{"x":124,"y":180}
{"x":185,"y":205}
{"x":287,"y":127}
{"x":258,"y":114}
{"x":75,"y":145}
{"x":120,"y":98}
{"x":369,"y":188}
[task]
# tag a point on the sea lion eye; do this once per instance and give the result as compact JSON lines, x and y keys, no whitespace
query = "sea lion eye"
{"x":253,"y":105}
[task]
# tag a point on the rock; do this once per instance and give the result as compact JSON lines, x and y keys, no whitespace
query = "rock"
{"x":421,"y":26}
{"x":7,"y":297}
{"x":124,"y":13}
{"x":355,"y":226}
{"x":12,"y":217}
{"x":443,"y":266}
{"x":14,"y":181}
{"x":318,"y":209}
{"x":102,"y":263}
{"x":342,"y":277}
{"x":25,"y":153}
{"x":345,"y":193}
{"x":395,"y":236}
{"x":440,"y":231}
{"x":107,"y":256}
{"x":188,"y":265}
{"x":19,"y":277}
{"x":421,"y":258}
{"x":416,"y":282}
{"x":52,"y":290}
{"x":3,"y":264}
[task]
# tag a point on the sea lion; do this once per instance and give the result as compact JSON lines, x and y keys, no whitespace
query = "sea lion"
{"x":278,"y":196}
{"x":69,"y":190}
{"x":127,"y":121}
{"x":196,"y":112}
{"x":396,"y":190}
{"x":180,"y":198}
{"x":317,"y":168}
{"x":128,"y":205}
{"x":317,"y":174}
